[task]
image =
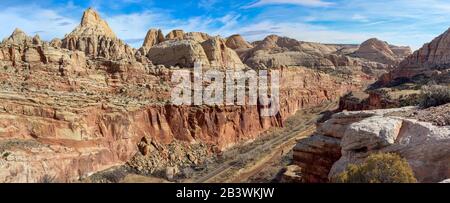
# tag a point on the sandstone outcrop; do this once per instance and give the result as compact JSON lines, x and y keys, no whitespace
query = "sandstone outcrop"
{"x":153,"y":38}
{"x":275,"y":51}
{"x":96,"y":39}
{"x":184,"y":53}
{"x":237,"y":42}
{"x":197,"y":36}
{"x":22,"y":50}
{"x":355,"y":135}
{"x":59,"y":136}
{"x":175,"y":35}
{"x":73,"y":107}
{"x":381,"y":52}
{"x":430,"y":61}
{"x":219,"y":55}
{"x":181,"y":35}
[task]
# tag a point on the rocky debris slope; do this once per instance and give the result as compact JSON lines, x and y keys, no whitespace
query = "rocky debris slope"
{"x":349,"y":137}
{"x":96,"y":39}
{"x":431,"y":61}
{"x":381,"y":52}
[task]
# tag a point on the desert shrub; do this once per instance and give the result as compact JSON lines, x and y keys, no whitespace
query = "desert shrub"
{"x":47,"y":179}
{"x":350,"y":97}
{"x":115,"y":176}
{"x":378,"y":168}
{"x":383,"y":93}
{"x":434,"y":95}
{"x":409,"y":100}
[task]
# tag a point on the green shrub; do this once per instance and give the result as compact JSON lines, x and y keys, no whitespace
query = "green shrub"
{"x":378,"y":168}
{"x":47,"y":179}
{"x":434,"y":95}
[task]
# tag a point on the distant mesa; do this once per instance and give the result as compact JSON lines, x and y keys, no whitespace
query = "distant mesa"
{"x":380,"y":51}
{"x":237,"y":42}
{"x":430,"y":61}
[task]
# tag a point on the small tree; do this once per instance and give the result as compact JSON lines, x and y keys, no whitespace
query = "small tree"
{"x":434,"y":95}
{"x":378,"y":168}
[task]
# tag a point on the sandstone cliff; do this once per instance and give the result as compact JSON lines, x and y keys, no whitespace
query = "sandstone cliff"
{"x":152,"y":38}
{"x":96,"y":39}
{"x":380,"y":51}
{"x":349,"y":137}
{"x":184,"y":53}
{"x":430,"y":61}
{"x":237,"y":42}
{"x":73,"y":107}
{"x":275,"y":51}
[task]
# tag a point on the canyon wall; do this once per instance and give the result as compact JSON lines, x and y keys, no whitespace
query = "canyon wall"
{"x":68,"y":139}
{"x":76,"y":106}
{"x":350,"y":137}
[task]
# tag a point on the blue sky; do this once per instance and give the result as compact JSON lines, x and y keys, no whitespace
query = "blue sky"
{"x":400,"y":22}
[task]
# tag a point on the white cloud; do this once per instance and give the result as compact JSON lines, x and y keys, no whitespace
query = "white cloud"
{"x":207,"y":4}
{"x":133,"y":27}
{"x":405,"y":24}
{"x":313,"y":3}
{"x":359,"y":17}
{"x":35,"y":20}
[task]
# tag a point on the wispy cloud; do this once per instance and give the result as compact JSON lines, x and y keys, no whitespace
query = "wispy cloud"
{"x":34,"y":19}
{"x":313,"y":3}
{"x":401,"y":22}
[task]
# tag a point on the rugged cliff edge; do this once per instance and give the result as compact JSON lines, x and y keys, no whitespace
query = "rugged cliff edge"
{"x":76,"y":106}
{"x":349,"y":137}
{"x":431,"y":61}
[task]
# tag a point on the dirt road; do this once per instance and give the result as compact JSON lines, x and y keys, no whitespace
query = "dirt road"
{"x":251,"y":160}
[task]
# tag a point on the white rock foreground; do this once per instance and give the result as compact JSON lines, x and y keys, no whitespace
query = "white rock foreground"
{"x":359,"y":134}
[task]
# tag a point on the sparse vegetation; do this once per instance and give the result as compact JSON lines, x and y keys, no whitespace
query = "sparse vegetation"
{"x":47,"y":179}
{"x":378,"y":168}
{"x":434,"y":95}
{"x":5,"y":155}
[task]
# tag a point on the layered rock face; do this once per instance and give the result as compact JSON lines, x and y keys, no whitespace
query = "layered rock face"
{"x":181,"y":35}
{"x":237,"y":42}
{"x":381,"y":52}
{"x":219,"y":55}
{"x":276,"y":51}
{"x":21,"y":50}
{"x":349,"y":137}
{"x":184,"y":53}
{"x":96,"y":39}
{"x":431,"y":60}
{"x":175,"y":35}
{"x":73,"y":107}
{"x":152,"y":38}
{"x":56,"y":135}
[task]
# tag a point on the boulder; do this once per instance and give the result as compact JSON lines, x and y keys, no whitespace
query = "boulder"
{"x":219,"y":55}
{"x":182,"y":53}
{"x":350,"y":137}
